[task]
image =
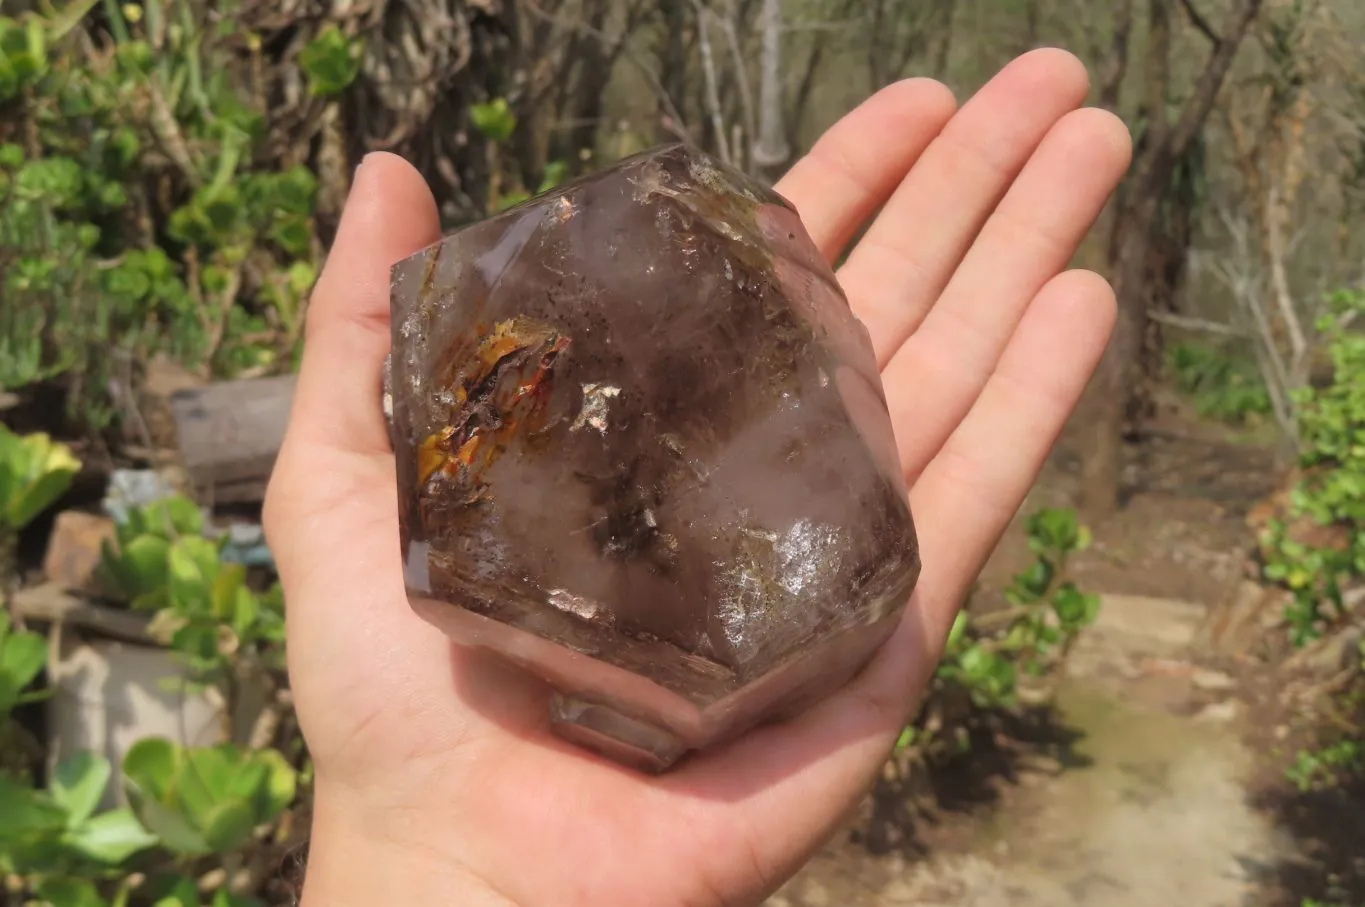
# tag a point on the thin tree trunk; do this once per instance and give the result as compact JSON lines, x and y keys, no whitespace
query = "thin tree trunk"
{"x":673,"y":62}
{"x":1150,"y":182}
{"x":771,"y":150}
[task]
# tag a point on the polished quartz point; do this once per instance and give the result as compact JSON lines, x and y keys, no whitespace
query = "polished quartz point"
{"x":643,"y":452}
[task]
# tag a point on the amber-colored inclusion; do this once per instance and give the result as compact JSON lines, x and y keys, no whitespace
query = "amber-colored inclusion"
{"x":643,"y":452}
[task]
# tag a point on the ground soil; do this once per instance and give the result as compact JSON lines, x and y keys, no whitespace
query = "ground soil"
{"x":1159,"y":776}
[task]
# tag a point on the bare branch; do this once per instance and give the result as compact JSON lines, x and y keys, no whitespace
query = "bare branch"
{"x":678,"y":125}
{"x":1199,"y":22}
{"x":708,"y":69}
{"x":1196,"y":324}
{"x":1211,"y":79}
{"x":746,"y":97}
{"x":771,"y":150}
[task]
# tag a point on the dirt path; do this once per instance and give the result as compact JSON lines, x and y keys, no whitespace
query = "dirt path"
{"x":1155,"y":804}
{"x":1154,"y":810}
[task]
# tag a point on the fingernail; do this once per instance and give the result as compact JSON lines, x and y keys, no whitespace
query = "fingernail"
{"x":356,"y":176}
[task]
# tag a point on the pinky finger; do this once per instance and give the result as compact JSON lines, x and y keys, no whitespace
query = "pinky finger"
{"x":966,"y":497}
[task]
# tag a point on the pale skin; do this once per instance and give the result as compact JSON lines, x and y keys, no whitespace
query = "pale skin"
{"x":437,"y":780}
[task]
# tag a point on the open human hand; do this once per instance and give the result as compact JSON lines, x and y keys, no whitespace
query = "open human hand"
{"x":438,"y":781}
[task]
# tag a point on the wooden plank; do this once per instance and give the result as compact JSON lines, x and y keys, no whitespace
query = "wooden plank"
{"x":229,"y":435}
{"x":50,"y":604}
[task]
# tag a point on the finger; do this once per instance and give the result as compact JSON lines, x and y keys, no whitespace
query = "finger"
{"x":990,"y":462}
{"x":1031,"y":237}
{"x":899,"y":268}
{"x":808,"y":768}
{"x":389,"y":215}
{"x":854,"y":166}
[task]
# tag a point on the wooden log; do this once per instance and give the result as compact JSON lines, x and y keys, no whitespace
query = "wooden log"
{"x":49,"y":603}
{"x":230,"y":434}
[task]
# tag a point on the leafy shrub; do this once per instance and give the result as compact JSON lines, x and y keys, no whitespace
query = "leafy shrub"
{"x":1221,"y":385}
{"x":1332,"y":491}
{"x":56,"y":833}
{"x":204,"y":608}
{"x":1314,"y":769}
{"x":205,"y":800}
{"x":989,"y":658}
{"x":190,"y":807}
{"x":497,"y":122}
{"x":201,"y":822}
{"x":22,"y":657}
{"x":1320,"y":568}
{"x":134,"y":216}
{"x":331,"y":61}
{"x":34,"y":472}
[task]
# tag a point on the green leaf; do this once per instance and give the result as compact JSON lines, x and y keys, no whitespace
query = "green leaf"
{"x":230,"y":581}
{"x":296,"y":191}
{"x":293,"y":234}
{"x":60,"y":892}
{"x":34,"y":472}
{"x":25,"y":811}
{"x":494,"y":119}
{"x":302,"y":277}
{"x":555,"y":173}
{"x":222,"y":208}
{"x":250,"y":777}
{"x":193,"y":563}
{"x":151,"y":765}
{"x":172,"y":827}
{"x":958,"y":631}
{"x":22,"y":656}
{"x":206,"y":778}
{"x":110,"y":837}
{"x":331,"y":61}
{"x":246,"y":609}
{"x":1074,"y":608}
{"x":183,"y":894}
{"x":280,"y":787}
{"x":1053,"y":529}
{"x":228,"y":825}
{"x":512,"y":199}
{"x":198,"y":641}
{"x":222,"y":899}
{"x":175,"y":516}
{"x":140,"y":567}
{"x":60,"y":23}
{"x":1033,"y":583}
{"x":78,"y":784}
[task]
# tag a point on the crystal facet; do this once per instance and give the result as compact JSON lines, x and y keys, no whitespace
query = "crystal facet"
{"x":643,"y":451}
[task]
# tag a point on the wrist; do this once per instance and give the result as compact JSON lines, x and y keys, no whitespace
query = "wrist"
{"x":355,"y":859}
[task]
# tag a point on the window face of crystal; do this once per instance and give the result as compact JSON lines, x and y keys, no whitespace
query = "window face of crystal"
{"x":643,"y":451}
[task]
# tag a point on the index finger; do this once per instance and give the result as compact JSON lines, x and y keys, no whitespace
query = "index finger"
{"x":855,"y":166}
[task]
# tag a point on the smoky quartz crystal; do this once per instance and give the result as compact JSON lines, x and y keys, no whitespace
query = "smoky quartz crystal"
{"x":643,"y":451}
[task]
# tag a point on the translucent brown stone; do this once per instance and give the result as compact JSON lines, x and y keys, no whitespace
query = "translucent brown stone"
{"x":643,"y":451}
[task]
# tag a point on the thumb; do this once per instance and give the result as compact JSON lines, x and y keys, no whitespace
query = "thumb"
{"x":389,"y":215}
{"x":336,"y":441}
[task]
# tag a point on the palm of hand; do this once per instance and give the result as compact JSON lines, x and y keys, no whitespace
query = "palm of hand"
{"x":438,"y":761}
